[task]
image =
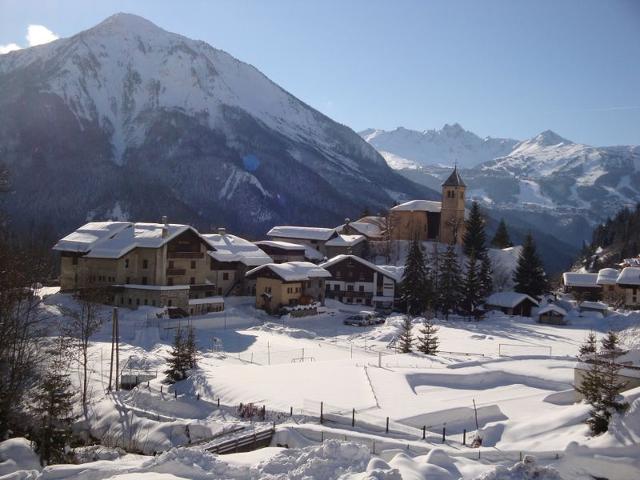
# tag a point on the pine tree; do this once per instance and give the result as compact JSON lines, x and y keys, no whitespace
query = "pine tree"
{"x":486,"y":276}
{"x":54,"y":399}
{"x":610,"y":345}
{"x":428,"y":340}
{"x":501,"y":239}
{"x":449,"y":294}
{"x":471,"y":287}
{"x":178,"y":360}
{"x":474,"y":238}
{"x":589,"y":348}
{"x":530,"y":277}
{"x":191,"y":350}
{"x":416,"y":284}
{"x":405,"y":340}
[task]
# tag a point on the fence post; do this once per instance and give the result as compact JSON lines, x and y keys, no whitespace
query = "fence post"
{"x":464,"y":436}
{"x":291,"y":412}
{"x":424,"y":432}
{"x":374,"y":447}
{"x":198,"y":397}
{"x":444,"y":431}
{"x":387,"y":429}
{"x":161,"y":388}
{"x":321,"y":413}
{"x":175,"y":394}
{"x":218,"y":402}
{"x":520,"y":456}
{"x":353,"y":417}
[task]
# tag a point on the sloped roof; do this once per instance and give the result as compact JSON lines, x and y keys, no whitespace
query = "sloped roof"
{"x":379,"y":268}
{"x":345,"y":240}
{"x":454,"y":180}
{"x":629,"y":276}
{"x":593,"y":305}
{"x":305,"y":233}
{"x":419,"y":206}
{"x":280,"y":244}
{"x":370,"y":226}
{"x":230,"y":248}
{"x":115,"y":239}
{"x":552,"y":308}
{"x":607,"y":276}
{"x":293,"y":271}
{"x":575,"y":279}
{"x":508,"y":299}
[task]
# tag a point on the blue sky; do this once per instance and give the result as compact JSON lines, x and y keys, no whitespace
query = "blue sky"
{"x":497,"y":67}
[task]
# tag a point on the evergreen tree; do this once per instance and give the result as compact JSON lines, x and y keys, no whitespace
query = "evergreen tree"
{"x":191,"y":349}
{"x":416,"y":284}
{"x":611,"y":345}
{"x":530,"y":277}
{"x":449,"y":294}
{"x":485,"y":276}
{"x":590,"y":347}
{"x":501,"y":239}
{"x":471,"y":287}
{"x":474,"y":238}
{"x":178,"y":360}
{"x":405,"y":339}
{"x":54,"y":398}
{"x":428,"y":340}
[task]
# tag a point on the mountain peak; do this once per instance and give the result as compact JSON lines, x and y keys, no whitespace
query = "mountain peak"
{"x":549,"y":138}
{"x":126,"y":23}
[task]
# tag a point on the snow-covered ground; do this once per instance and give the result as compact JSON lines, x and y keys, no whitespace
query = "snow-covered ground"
{"x":518,"y":373}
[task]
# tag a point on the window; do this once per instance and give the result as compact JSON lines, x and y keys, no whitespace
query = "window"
{"x":225,"y":276}
{"x":145,"y":263}
{"x":146,"y":301}
{"x":127,"y":280}
{"x":126,"y":263}
{"x":170,"y":263}
{"x":361,"y":288}
{"x":170,"y":281}
{"x":137,"y":301}
{"x":349,"y":288}
{"x":169,"y":303}
{"x":144,"y":280}
{"x":193,"y":264}
{"x":192,"y":280}
{"x":129,"y":301}
{"x":336,"y":287}
{"x":267,"y":289}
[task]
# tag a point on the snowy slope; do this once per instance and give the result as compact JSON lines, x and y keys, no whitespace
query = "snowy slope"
{"x":127,"y":102}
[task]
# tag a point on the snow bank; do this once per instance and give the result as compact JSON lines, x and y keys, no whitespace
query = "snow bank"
{"x":17,"y":455}
{"x":271,"y":327}
{"x":527,"y":469}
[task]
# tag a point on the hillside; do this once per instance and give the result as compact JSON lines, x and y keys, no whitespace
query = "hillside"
{"x":128,"y":121}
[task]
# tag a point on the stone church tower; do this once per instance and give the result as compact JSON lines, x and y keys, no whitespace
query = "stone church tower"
{"x":452,"y":213}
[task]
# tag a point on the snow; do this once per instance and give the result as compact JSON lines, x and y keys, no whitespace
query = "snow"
{"x":345,"y":240}
{"x":303,"y":233}
{"x":594,"y":306}
{"x":280,"y":244}
{"x":293,"y":271}
{"x":629,"y":276}
{"x":85,"y":237}
{"x":419,"y":206}
{"x":371,"y":227}
{"x":230,"y":248}
{"x":508,"y":299}
{"x":17,"y":454}
{"x":389,"y":271}
{"x":607,"y":276}
{"x":206,"y":300}
{"x":552,"y":308}
{"x":576,"y":279}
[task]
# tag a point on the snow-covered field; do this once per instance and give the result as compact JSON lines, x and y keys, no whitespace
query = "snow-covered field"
{"x":519,"y":375}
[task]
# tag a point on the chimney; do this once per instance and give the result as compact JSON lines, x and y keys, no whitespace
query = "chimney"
{"x":222,"y":231}
{"x":165,"y":227}
{"x":346,"y":221}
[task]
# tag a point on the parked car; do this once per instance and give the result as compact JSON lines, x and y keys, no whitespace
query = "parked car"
{"x":361,"y":319}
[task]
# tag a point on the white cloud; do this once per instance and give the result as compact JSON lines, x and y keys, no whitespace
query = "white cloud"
{"x":36,"y":35}
{"x":9,"y":48}
{"x":39,"y":35}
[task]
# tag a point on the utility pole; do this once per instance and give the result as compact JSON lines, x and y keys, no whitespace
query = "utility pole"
{"x":117,"y":339}
{"x":113,"y":343}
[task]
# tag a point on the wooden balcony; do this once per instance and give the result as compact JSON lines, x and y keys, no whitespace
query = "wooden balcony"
{"x":348,"y":294}
{"x":185,"y":254}
{"x":176,"y":271}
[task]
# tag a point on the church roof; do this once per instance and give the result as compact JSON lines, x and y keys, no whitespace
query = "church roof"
{"x":454,"y":180}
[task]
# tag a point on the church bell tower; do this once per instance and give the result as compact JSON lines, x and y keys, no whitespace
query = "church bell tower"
{"x":452,"y":213}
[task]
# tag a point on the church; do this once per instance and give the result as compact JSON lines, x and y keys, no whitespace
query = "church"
{"x":430,"y":220}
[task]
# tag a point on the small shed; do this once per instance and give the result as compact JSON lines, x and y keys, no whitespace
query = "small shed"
{"x":599,"y":307}
{"x":511,"y":303}
{"x":552,"y":314}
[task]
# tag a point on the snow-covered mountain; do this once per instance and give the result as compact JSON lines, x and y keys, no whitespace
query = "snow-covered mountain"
{"x":128,"y":120}
{"x":404,"y":148}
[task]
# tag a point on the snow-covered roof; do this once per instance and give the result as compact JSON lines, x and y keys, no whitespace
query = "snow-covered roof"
{"x":280,"y":244}
{"x":306,"y":233}
{"x":607,"y":276}
{"x":629,"y":276}
{"x":552,"y":308}
{"x":370,"y":226}
{"x":115,"y":239}
{"x":575,"y":279}
{"x":508,"y":299}
{"x":345,"y":240}
{"x":311,"y":253}
{"x":293,"y":271}
{"x":419,"y":206}
{"x":230,"y":248}
{"x":206,"y":301}
{"x":378,"y":268}
{"x":594,"y":306}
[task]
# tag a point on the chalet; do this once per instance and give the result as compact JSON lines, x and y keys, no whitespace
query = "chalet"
{"x":343,"y":244}
{"x":582,"y":285}
{"x":511,"y":303}
{"x":312,"y":237}
{"x":598,"y":307}
{"x":608,"y":282}
{"x":355,"y":280}
{"x":552,"y":314}
{"x":158,"y":264}
{"x":288,"y":284}
{"x":372,"y":227}
{"x":230,"y":259}
{"x":282,"y":252}
{"x":431,"y":220}
{"x":629,"y":282}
